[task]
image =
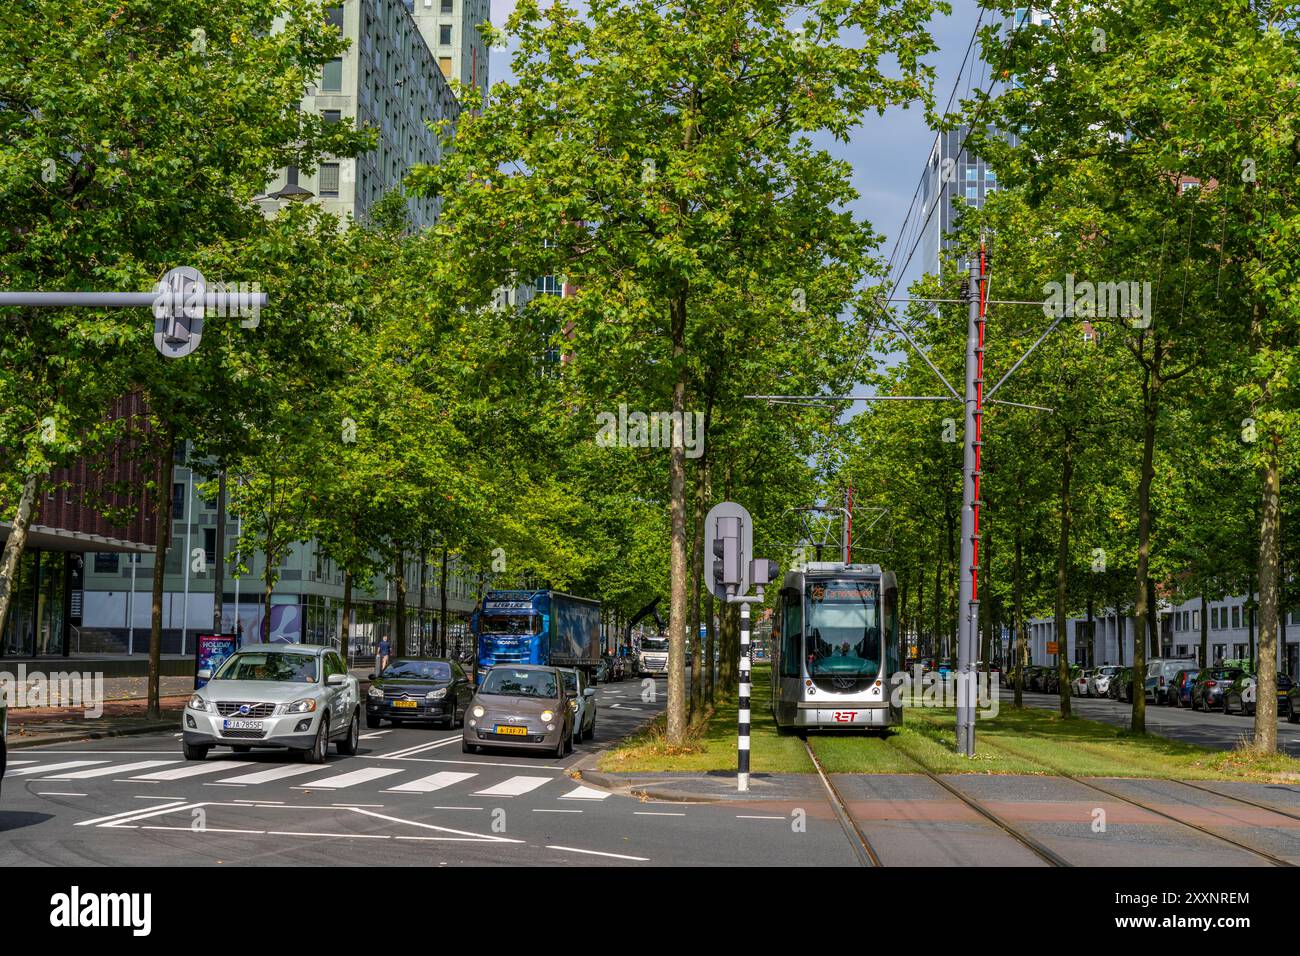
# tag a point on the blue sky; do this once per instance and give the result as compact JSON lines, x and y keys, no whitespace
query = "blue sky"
{"x":887,"y":152}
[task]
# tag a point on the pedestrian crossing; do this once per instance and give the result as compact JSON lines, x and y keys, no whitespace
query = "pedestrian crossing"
{"x":332,"y":777}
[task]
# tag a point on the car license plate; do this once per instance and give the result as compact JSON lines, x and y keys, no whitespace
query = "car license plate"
{"x":241,"y":725}
{"x":512,"y":731}
{"x":406,"y":703}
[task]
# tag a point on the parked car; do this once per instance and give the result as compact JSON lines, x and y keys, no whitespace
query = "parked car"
{"x":1051,"y":680}
{"x":1160,"y":672}
{"x":1120,"y":686}
{"x":1099,"y":682}
{"x":519,"y":706}
{"x":1081,"y":683}
{"x":602,"y":670}
{"x":1240,"y":697}
{"x":945,"y":668}
{"x":419,"y":688}
{"x":291,"y":696}
{"x":582,"y":698}
{"x":1207,"y":692}
{"x":4,"y":734}
{"x":1292,"y":702}
{"x":1180,"y":689}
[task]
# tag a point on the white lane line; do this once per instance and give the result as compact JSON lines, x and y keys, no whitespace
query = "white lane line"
{"x":66,"y":765}
{"x":655,"y":813}
{"x":348,"y":779}
{"x":483,"y":763}
{"x":436,"y":781}
{"x":535,"y":810}
{"x":204,"y":830}
{"x":480,"y":837}
{"x":19,"y":763}
{"x":152,"y":797}
{"x":617,"y":856}
{"x":105,"y":771}
{"x":377,"y":733}
{"x":419,"y":748}
{"x":124,"y":814}
{"x":741,"y":816}
{"x":193,"y":770}
{"x":372,"y":806}
{"x":340,"y":836}
{"x":585,"y":793}
{"x":275,"y":773}
{"x":458,"y":808}
{"x":56,"y":793}
{"x":514,"y":787}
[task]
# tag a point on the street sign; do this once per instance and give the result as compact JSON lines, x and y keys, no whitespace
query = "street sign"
{"x":729,"y":545}
{"x":178,"y":312}
{"x":1053,"y":647}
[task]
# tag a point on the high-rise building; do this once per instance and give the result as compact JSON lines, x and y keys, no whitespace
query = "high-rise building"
{"x":388,"y":79}
{"x":451,"y":29}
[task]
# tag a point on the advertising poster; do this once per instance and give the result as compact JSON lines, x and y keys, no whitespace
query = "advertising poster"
{"x":210,"y":652}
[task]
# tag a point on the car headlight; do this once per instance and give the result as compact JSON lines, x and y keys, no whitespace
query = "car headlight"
{"x":573,"y":705}
{"x":479,"y":711}
{"x":305,"y":706}
{"x":198,"y":703}
{"x":375,"y":693}
{"x":547,"y":716}
{"x":438,"y":694}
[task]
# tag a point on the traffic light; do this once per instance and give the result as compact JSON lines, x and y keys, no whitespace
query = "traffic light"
{"x":762,"y":571}
{"x":178,"y":311}
{"x":727,"y":559}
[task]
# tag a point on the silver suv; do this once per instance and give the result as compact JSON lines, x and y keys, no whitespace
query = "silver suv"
{"x":293,"y":696}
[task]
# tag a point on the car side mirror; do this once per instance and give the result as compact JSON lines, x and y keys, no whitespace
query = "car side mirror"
{"x":589,"y":692}
{"x":204,"y":673}
{"x":372,"y":677}
{"x":336,"y":680}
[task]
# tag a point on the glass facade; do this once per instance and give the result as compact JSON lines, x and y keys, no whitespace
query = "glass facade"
{"x":38,"y":611}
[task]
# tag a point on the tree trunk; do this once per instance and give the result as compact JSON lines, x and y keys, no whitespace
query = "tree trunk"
{"x":1153,"y":617}
{"x":15,"y":544}
{"x":1062,"y":579}
{"x":1269,"y":582}
{"x":399,"y":592}
{"x":697,"y":576}
{"x":1205,"y":631}
{"x":162,"y":539}
{"x":424,"y":580}
{"x":710,"y":649}
{"x":938,"y":613}
{"x":442,"y":611}
{"x":677,"y":611}
{"x":345,"y":637}
{"x":219,"y":562}
{"x":1017,"y":597}
{"x":1139,"y":721}
{"x":1091,"y":657}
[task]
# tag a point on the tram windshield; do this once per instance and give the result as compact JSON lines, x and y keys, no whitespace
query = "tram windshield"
{"x":843,"y":629}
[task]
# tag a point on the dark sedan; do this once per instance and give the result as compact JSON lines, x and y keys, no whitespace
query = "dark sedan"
{"x":1207,"y":692}
{"x":419,"y":688}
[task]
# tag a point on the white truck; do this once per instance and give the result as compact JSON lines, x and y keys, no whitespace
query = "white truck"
{"x":652,"y":657}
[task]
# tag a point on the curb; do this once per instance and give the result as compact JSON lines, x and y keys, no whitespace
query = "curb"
{"x":606,"y":782}
{"x":23,"y":742}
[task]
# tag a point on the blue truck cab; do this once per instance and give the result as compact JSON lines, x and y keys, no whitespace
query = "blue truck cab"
{"x":545,"y":628}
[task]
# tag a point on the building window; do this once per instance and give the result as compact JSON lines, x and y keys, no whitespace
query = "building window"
{"x":210,"y":544}
{"x":329,"y":179}
{"x":1220,"y":651}
{"x":446,"y":5}
{"x":1236,"y":616}
{"x":444,"y":64}
{"x":973,"y":193}
{"x":972,"y":174}
{"x":332,"y":76}
{"x":1196,"y":620}
{"x":335,"y":17}
{"x":332,"y":116}
{"x":444,"y":34}
{"x":106,"y":562}
{"x":178,"y":501}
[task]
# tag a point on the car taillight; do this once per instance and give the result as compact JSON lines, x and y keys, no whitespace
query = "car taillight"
{"x":1209,"y":683}
{"x":1162,"y":682}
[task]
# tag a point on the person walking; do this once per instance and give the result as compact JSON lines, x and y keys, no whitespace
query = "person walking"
{"x":382,"y":654}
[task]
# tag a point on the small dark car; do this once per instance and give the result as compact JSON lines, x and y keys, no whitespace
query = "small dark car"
{"x":1207,"y":692}
{"x":1180,"y":689}
{"x":419,"y":688}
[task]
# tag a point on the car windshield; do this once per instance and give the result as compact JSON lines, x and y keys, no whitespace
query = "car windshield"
{"x":843,"y":629}
{"x":570,"y":681}
{"x":527,"y":624}
{"x":1223,"y":674}
{"x":419,"y":670}
{"x":509,"y":682}
{"x":269,"y":666}
{"x":1108,"y":671}
{"x":654,"y":644}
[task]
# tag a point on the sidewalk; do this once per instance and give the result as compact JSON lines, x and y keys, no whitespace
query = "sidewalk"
{"x":38,"y":726}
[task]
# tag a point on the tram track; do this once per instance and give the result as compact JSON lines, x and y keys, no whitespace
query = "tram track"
{"x":1263,"y":854}
{"x":862,"y":847}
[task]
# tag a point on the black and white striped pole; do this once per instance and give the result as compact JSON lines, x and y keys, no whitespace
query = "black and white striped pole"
{"x":742,"y":730}
{"x":729,"y":537}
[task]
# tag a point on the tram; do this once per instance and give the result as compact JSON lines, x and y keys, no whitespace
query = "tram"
{"x":835,"y":646}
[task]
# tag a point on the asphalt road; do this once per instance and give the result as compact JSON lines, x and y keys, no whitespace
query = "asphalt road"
{"x":1211,"y":729}
{"x":408,"y":798}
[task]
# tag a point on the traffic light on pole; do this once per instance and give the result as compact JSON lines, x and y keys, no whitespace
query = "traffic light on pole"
{"x":727,"y":559}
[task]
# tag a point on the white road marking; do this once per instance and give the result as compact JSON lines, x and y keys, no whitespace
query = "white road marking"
{"x":19,"y":763}
{"x":66,"y":765}
{"x":204,"y":830}
{"x":274,"y":773}
{"x":741,"y":816}
{"x":655,"y":813}
{"x":514,"y":787}
{"x":482,"y":837}
{"x":125,"y":814}
{"x":444,"y":778}
{"x":617,"y":856}
{"x":105,"y":771}
{"x":419,"y":748}
{"x":585,"y":793}
{"x":193,"y":770}
{"x":458,"y":808}
{"x":484,"y":763}
{"x":536,"y":810}
{"x":56,"y":793}
{"x":340,"y":836}
{"x":350,"y":779}
{"x":377,"y":733}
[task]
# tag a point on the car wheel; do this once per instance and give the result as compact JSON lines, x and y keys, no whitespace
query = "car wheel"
{"x":568,"y":744}
{"x":320,"y":747}
{"x":195,"y":751}
{"x":1291,"y":716}
{"x":372,"y":722}
{"x":1251,"y":712}
{"x":241,"y":749}
{"x":467,"y":748}
{"x":348,"y":745}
